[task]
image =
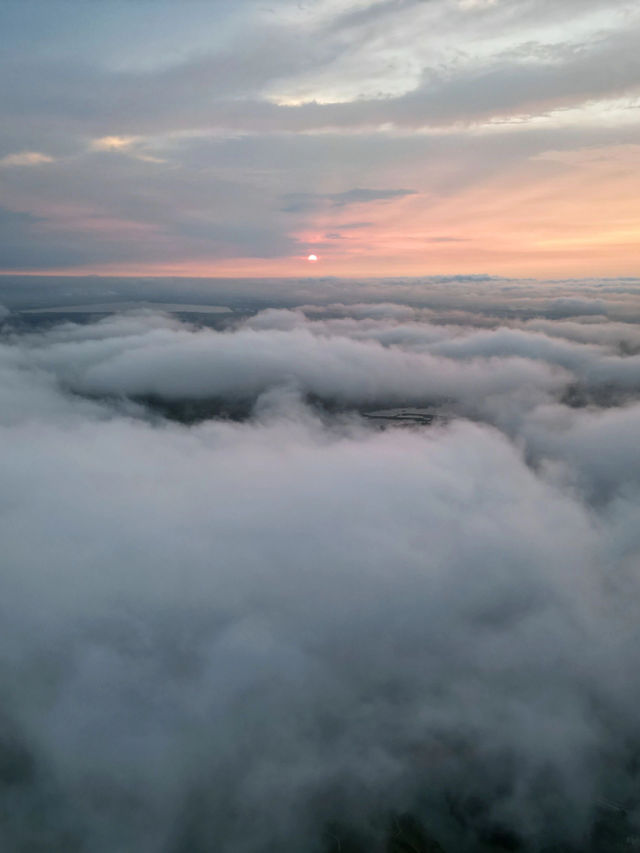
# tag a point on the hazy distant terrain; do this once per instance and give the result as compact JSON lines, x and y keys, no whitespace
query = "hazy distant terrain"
{"x":243,"y":611}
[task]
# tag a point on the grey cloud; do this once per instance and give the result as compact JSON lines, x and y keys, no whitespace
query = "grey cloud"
{"x":14,"y":220}
{"x":374,"y":12}
{"x":28,"y":244}
{"x":149,"y":213}
{"x":476,"y":156}
{"x":92,"y":94}
{"x":358,"y":195}
{"x":351,"y":226}
{"x":224,"y":90}
{"x":505,"y":88}
{"x":507,"y":16}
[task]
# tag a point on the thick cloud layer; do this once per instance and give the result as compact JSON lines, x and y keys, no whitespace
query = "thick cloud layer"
{"x":278,"y":632}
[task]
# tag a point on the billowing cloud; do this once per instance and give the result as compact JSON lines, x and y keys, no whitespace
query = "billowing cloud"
{"x":293,"y":628}
{"x":178,"y":363}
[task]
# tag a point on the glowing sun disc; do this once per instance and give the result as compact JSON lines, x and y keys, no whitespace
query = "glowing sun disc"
{"x":312,"y":258}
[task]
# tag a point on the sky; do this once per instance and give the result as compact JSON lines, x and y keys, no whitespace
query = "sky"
{"x":393,"y":137}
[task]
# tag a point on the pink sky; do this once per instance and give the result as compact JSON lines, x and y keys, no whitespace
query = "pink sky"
{"x":387,"y":138}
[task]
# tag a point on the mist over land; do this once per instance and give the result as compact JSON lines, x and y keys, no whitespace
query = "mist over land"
{"x":238,"y":614}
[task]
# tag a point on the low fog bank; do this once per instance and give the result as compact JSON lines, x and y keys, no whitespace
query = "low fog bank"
{"x":476,"y":295}
{"x":237,"y":615}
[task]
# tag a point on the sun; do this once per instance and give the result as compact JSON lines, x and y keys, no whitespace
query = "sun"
{"x":312,"y":258}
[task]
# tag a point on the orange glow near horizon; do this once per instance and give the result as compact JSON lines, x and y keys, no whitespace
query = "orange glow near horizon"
{"x":562,"y":214}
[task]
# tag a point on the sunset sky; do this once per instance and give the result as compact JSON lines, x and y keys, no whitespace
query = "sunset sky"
{"x":393,"y":137}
